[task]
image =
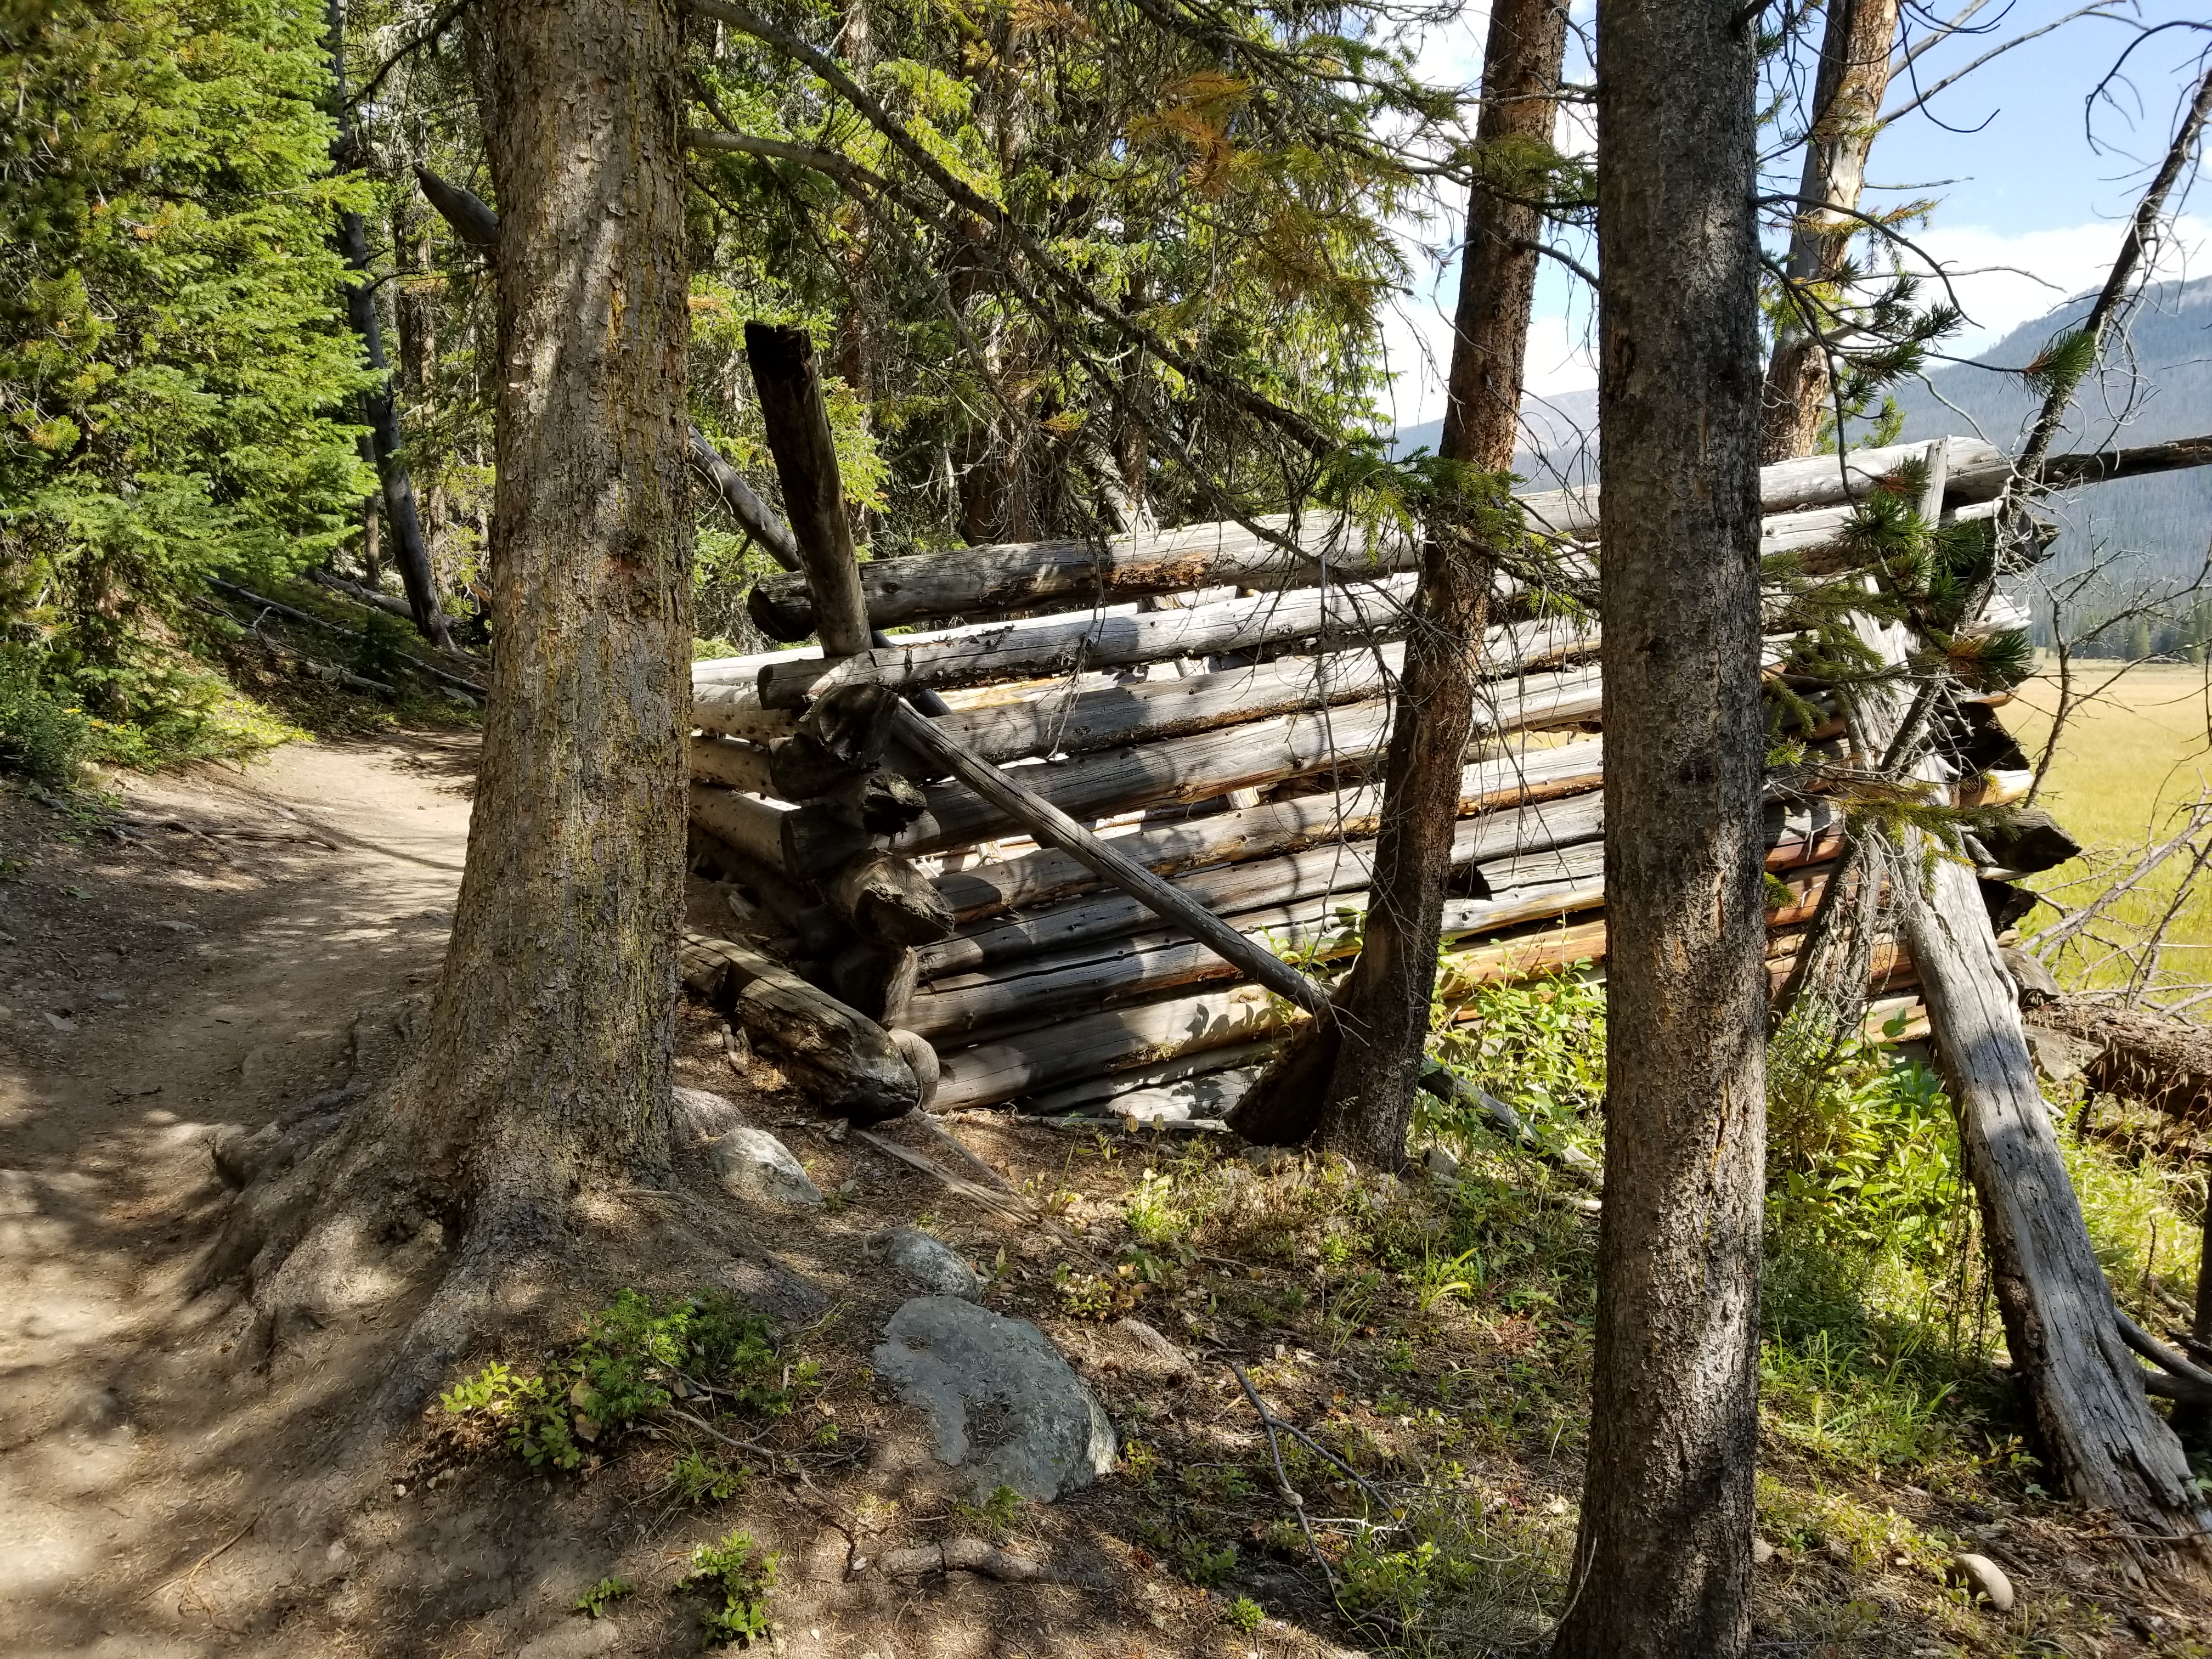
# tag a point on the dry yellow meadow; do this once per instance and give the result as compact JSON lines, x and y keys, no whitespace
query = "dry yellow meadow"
{"x":2131,"y":764}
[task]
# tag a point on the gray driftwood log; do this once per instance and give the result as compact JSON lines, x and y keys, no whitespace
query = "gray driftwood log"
{"x":845,"y":1061}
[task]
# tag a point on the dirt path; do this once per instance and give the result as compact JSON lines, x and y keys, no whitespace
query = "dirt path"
{"x":149,"y":990}
{"x":164,"y":1459}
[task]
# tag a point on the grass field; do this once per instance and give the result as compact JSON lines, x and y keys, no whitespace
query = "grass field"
{"x":2129,"y":765}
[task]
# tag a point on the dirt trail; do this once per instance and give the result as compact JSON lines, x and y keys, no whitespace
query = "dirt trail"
{"x":150,"y":989}
{"x":165,"y":1459}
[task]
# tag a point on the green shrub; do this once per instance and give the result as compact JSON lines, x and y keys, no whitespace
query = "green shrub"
{"x":735,"y":1575}
{"x":629,"y":1363}
{"x":40,"y":737}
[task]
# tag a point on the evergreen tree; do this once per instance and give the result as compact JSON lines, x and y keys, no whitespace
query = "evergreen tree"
{"x":173,"y":359}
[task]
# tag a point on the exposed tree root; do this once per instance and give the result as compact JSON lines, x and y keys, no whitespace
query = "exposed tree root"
{"x":348,"y":1217}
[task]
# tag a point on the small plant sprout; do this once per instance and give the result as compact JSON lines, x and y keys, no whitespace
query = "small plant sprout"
{"x":1244,"y":1615}
{"x":593,"y":1601}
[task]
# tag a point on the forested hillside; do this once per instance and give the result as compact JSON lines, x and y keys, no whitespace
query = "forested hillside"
{"x":2160,"y":387}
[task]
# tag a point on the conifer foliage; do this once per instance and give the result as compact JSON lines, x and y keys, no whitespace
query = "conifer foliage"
{"x":175,"y":369}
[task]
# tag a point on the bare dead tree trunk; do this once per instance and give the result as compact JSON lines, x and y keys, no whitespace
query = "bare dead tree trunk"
{"x":1664,"y":1559}
{"x":549,"y":1056}
{"x":1847,"y":94}
{"x":1386,"y":1006}
{"x":379,"y":411}
{"x":415,"y":309}
{"x":2098,"y":1433}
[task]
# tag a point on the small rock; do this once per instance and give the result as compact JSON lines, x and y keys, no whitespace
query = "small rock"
{"x":2060,"y":1056}
{"x":1441,"y":1163}
{"x":753,"y":1161}
{"x":700,"y":1117}
{"x":113,"y":998}
{"x":929,"y":1262}
{"x":1761,"y":1551}
{"x":59,"y":1022}
{"x":951,"y":1358}
{"x":1985,"y":1578}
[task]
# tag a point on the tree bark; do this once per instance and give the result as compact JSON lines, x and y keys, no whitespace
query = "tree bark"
{"x":549,"y":1058}
{"x":1663,"y":1558}
{"x":379,"y":413}
{"x":1847,"y":94}
{"x":1385,"y":1025}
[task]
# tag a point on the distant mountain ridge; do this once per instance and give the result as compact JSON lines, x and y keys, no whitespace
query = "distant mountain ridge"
{"x":2164,"y":524}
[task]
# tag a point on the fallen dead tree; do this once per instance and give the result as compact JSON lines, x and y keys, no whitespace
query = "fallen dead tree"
{"x":2165,"y":1064}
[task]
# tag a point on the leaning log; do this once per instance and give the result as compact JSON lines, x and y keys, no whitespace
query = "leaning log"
{"x":797,"y":422}
{"x":845,"y":1061}
{"x":1054,"y":828}
{"x":2083,"y":1385}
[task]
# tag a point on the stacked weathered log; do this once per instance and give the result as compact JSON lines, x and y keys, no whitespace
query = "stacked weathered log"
{"x":925,"y":909}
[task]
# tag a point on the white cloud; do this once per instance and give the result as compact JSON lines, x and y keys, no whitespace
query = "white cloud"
{"x":2004,"y":280}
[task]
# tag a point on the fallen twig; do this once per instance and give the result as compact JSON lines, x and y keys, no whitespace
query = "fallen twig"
{"x":1282,"y":1479}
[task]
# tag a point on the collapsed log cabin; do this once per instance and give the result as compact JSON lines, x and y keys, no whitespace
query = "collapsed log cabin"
{"x":1231,"y":747}
{"x":1076,"y":856}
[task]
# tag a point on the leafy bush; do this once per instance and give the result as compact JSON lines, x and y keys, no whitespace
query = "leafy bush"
{"x":593,"y":1601}
{"x":632,"y":1359}
{"x":40,"y":737}
{"x":1538,"y":1044}
{"x":735,"y":1575}
{"x":173,"y":342}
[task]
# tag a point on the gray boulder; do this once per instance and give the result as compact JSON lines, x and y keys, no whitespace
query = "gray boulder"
{"x":952,"y":1358}
{"x":929,"y":1262}
{"x":754,"y":1162}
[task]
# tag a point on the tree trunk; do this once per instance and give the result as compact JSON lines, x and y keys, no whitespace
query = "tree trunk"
{"x":1664,"y":1559}
{"x":1385,"y":1026}
{"x":1847,"y":94}
{"x":379,"y":411}
{"x":549,"y":1051}
{"x":414,"y":309}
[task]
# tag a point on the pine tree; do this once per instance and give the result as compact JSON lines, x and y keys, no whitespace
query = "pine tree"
{"x":174,"y":366}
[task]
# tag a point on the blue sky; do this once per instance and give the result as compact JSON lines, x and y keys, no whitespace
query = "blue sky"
{"x":2033,"y":210}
